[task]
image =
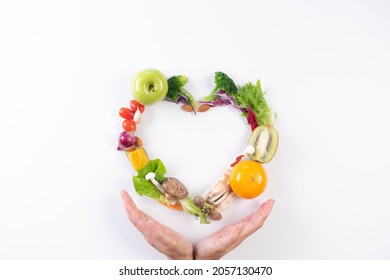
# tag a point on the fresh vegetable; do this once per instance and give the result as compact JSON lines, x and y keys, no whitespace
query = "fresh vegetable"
{"x":149,"y":86}
{"x":174,"y":188}
{"x":129,"y":125}
{"x":265,"y":140}
{"x":190,"y":207}
{"x":215,"y":215}
{"x":223,"y":83}
{"x":145,"y":187}
{"x":176,"y":206}
{"x":248,"y":179}
{"x":251,"y":97}
{"x":223,"y":92}
{"x":134,"y":106}
{"x":138,"y":158}
{"x":199,"y":201}
{"x":178,"y":94}
{"x":126,"y":113}
{"x":126,"y":140}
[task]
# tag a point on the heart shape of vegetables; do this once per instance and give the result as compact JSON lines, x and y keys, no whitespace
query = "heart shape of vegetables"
{"x":244,"y":178}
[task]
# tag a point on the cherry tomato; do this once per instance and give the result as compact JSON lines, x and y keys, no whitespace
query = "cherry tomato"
{"x":129,"y":125}
{"x":126,"y":113}
{"x":134,"y":105}
{"x":248,"y":179}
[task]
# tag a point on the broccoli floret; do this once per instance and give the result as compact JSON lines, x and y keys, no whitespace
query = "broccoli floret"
{"x":177,"y":93}
{"x":223,"y":84}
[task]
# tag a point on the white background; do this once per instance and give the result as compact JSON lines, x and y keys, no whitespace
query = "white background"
{"x":66,"y":69}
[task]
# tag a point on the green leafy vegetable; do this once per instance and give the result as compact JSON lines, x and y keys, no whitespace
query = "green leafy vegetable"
{"x":155,"y":166}
{"x":144,"y":187}
{"x":189,"y":206}
{"x":252,"y":96}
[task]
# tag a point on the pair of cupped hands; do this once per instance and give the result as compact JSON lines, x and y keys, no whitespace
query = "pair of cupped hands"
{"x":176,"y":247}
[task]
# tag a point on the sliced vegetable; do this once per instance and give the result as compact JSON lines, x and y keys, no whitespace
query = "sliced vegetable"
{"x":138,"y":158}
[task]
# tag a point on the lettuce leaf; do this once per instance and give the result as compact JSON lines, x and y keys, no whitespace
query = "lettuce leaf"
{"x":252,"y":96}
{"x":189,"y":206}
{"x":144,"y":187}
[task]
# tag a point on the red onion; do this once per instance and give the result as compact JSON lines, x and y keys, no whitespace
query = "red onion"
{"x":125,"y":140}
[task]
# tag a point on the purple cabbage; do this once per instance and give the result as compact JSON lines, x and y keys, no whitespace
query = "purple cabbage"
{"x":221,"y":98}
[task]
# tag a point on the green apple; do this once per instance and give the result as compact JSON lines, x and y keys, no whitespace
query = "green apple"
{"x":149,"y":86}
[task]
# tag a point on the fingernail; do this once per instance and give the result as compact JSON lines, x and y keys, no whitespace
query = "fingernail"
{"x":271,"y":203}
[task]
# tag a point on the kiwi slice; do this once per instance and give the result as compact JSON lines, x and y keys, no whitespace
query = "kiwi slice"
{"x":265,"y":140}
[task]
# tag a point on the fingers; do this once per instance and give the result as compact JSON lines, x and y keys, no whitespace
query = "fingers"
{"x":164,"y":239}
{"x":256,"y":220}
{"x":136,"y":216}
{"x":223,"y":241}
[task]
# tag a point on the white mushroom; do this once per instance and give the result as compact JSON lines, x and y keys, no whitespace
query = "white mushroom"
{"x":226,"y":202}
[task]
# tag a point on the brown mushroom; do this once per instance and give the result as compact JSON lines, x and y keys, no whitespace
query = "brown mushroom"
{"x":174,"y":188}
{"x":215,"y":215}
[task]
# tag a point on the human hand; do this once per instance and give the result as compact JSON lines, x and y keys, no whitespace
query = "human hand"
{"x":164,"y":239}
{"x":220,"y":243}
{"x":175,"y":246}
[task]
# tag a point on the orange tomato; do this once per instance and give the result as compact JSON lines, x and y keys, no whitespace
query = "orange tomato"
{"x":248,"y":179}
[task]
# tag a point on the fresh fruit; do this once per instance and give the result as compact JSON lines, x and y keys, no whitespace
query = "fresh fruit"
{"x":149,"y":86}
{"x":126,"y":113}
{"x":265,"y":140}
{"x":248,"y":179}
{"x":134,"y":105}
{"x":129,"y":125}
{"x":138,"y":158}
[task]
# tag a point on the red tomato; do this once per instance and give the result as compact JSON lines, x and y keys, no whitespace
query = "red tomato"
{"x":134,"y":105}
{"x":129,"y":125}
{"x":126,"y":113}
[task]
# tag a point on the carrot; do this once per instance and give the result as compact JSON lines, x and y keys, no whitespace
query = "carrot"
{"x":176,"y":206}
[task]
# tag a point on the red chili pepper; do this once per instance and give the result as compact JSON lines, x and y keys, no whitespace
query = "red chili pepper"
{"x":237,"y":160}
{"x":251,"y":118}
